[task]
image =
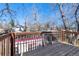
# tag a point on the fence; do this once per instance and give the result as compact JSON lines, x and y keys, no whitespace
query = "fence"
{"x":19,"y":43}
{"x":25,"y":42}
{"x":70,"y":37}
{"x":6,"y":45}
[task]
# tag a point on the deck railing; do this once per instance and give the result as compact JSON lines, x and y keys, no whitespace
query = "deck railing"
{"x":70,"y":37}
{"x":18,"y":43}
{"x":25,"y":42}
{"x":5,"y":45}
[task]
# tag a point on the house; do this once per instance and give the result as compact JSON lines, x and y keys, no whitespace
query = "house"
{"x":18,"y":28}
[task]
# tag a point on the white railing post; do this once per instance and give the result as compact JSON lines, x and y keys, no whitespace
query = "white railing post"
{"x":27,"y":45}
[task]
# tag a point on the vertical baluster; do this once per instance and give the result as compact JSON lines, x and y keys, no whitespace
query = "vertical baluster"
{"x":38,"y":37}
{"x":9,"y":46}
{"x":21,"y":47}
{"x":34,"y":44}
{"x":27,"y":45}
{"x":0,"y":47}
{"x":31,"y":44}
{"x":23,"y":44}
{"x":35,"y":41}
{"x":20,"y":44}
{"x":4,"y":47}
{"x":41,"y":40}
{"x":25,"y":49}
{"x":16,"y":46}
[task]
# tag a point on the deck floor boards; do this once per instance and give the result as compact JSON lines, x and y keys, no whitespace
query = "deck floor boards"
{"x":56,"y":49}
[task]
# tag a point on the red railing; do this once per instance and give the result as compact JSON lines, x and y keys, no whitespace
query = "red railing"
{"x":25,"y":42}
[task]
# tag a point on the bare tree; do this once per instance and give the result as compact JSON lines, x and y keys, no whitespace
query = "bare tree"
{"x":7,"y":11}
{"x":26,"y":24}
{"x":76,"y":15}
{"x":62,"y":15}
{"x":35,"y":15}
{"x":25,"y":27}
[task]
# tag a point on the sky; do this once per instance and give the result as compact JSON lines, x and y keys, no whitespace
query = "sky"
{"x":45,"y":11}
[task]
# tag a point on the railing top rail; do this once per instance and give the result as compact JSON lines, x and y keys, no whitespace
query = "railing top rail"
{"x":26,"y":33}
{"x":23,"y":33}
{"x":73,"y":32}
{"x":5,"y":35}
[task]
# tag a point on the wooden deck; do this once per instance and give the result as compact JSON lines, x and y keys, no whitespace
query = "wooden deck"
{"x":57,"y":49}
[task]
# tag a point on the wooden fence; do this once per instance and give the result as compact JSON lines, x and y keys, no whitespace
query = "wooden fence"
{"x":6,"y":42}
{"x":70,"y":37}
{"x":18,"y":43}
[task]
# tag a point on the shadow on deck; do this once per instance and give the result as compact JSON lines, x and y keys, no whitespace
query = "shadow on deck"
{"x":57,"y":49}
